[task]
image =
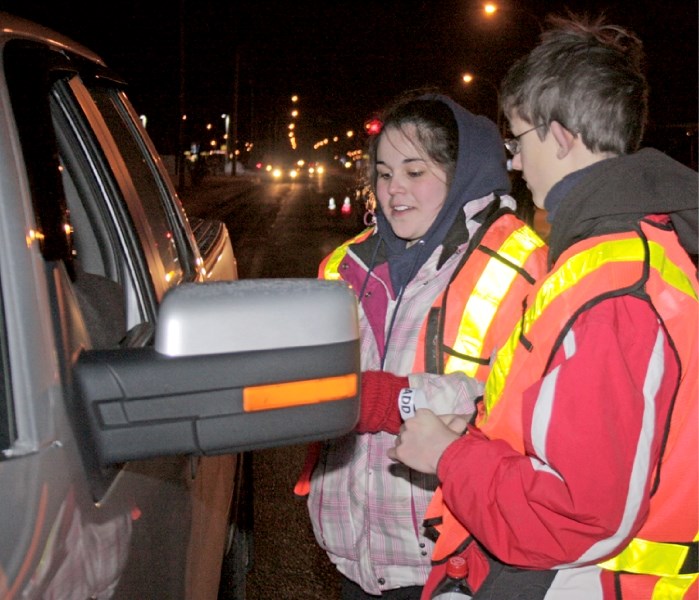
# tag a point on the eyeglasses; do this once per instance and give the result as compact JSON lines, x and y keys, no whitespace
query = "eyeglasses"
{"x":513,"y":144}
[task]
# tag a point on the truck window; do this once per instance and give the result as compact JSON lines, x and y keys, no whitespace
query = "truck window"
{"x":173,"y":251}
{"x":98,"y":213}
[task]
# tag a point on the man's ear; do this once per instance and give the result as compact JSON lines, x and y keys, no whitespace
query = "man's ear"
{"x":564,"y":139}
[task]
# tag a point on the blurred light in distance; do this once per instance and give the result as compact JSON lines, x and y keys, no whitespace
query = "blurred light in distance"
{"x":373,"y":126}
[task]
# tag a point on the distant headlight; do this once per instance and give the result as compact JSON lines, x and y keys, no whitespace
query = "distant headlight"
{"x":276,"y":173}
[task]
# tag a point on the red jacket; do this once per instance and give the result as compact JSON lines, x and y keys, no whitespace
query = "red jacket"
{"x":568,"y":470}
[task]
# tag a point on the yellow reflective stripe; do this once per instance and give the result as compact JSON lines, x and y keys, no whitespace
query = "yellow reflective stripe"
{"x":331,"y":271}
{"x":483,"y":303}
{"x":660,"y":559}
{"x":648,"y":558}
{"x":332,"y":267}
{"x":673,"y":588}
{"x":472,"y":331}
{"x":570,"y":273}
{"x":670,"y":272}
{"x":576,"y":268}
{"x":495,"y":383}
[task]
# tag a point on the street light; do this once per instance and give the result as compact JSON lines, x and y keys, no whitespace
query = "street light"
{"x":227,"y":119}
{"x":469,"y":78}
{"x":490,"y":9}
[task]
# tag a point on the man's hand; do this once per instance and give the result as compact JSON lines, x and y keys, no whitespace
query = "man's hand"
{"x":423,"y":438}
{"x":457,"y":423}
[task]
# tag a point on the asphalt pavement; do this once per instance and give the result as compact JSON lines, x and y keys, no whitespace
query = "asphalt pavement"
{"x":287,"y":562}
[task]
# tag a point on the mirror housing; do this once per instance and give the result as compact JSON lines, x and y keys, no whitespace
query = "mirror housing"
{"x":236,"y":366}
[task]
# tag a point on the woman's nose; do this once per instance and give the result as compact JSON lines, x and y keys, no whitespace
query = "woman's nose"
{"x":394,"y":185}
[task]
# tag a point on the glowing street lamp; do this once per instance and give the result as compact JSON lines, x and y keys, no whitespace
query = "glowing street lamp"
{"x":294,"y":113}
{"x":490,"y":9}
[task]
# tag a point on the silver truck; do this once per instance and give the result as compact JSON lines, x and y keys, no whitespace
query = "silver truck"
{"x":137,"y":372}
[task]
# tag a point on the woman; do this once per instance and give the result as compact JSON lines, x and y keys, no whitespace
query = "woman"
{"x":440,"y":279}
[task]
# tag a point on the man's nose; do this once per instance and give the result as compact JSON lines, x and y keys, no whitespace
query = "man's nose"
{"x":515,"y":163}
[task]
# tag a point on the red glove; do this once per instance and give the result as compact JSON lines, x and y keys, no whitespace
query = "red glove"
{"x":379,"y":410}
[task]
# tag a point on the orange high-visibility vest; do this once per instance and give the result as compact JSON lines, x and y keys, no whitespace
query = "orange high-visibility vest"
{"x":476,"y":312}
{"x":481,"y":304}
{"x":666,"y":545}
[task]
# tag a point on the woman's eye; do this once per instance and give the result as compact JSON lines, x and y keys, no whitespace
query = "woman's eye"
{"x":414,"y":174}
{"x":384,"y":175}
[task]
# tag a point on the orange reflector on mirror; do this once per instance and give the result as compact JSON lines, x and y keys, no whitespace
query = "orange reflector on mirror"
{"x":298,"y":393}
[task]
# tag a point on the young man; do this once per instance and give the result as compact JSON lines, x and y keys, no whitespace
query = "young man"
{"x":578,"y":479}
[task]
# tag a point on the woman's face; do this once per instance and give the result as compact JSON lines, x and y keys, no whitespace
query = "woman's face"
{"x":410,"y":188}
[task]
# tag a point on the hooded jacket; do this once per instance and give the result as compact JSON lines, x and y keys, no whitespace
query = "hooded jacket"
{"x":366,"y":510}
{"x":477,"y":175}
{"x":614,"y":194}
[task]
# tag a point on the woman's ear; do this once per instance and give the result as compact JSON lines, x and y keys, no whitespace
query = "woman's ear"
{"x":564,"y":139}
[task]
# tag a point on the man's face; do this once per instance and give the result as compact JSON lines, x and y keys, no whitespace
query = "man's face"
{"x":536,"y":158}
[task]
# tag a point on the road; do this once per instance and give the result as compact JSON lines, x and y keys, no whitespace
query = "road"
{"x":278,"y":229}
{"x":281,"y":230}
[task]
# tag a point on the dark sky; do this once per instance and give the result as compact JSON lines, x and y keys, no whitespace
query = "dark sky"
{"x":343,"y":59}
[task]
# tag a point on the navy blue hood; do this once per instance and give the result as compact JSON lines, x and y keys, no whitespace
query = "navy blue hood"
{"x":615,"y":193}
{"x":481,"y":169}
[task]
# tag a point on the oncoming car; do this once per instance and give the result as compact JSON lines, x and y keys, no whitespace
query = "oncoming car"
{"x":285,"y":172}
{"x":290,"y":170}
{"x":137,"y":372}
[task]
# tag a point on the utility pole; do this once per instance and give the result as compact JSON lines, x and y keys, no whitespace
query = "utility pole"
{"x":179,"y":158}
{"x":234,"y":114}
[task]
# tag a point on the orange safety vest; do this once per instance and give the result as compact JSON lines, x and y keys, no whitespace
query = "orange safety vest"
{"x":666,"y":545}
{"x":490,"y":284}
